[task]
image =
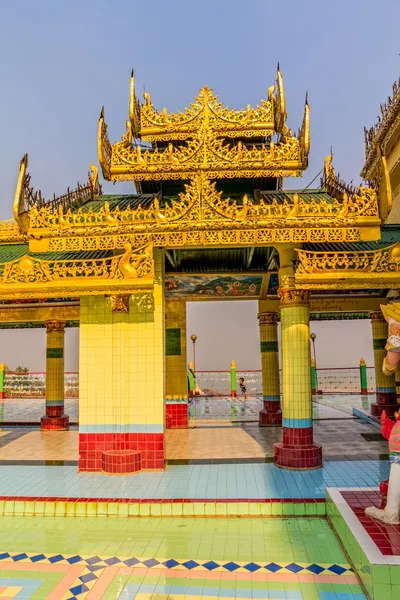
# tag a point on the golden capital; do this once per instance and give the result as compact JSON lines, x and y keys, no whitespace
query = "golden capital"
{"x":267,"y":318}
{"x":120,"y":303}
{"x":377,"y":316}
{"x":52,"y":326}
{"x":291,"y":297}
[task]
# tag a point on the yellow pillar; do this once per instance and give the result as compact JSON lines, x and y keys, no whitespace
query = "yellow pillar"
{"x":297,"y":449}
{"x":385,"y":385}
{"x":55,"y":417}
{"x":176,"y":378}
{"x":271,"y":413}
{"x":121,"y":380}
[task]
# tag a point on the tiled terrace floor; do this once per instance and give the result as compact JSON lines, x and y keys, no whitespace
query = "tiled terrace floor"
{"x":30,"y":410}
{"x":186,"y":559}
{"x":192,"y":481}
{"x":341,"y":439}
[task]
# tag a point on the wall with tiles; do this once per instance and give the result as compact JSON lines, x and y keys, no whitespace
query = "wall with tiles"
{"x":122,"y":374}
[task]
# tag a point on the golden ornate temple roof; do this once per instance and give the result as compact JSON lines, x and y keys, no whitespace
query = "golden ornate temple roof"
{"x":207,"y":137}
{"x":220,"y":170}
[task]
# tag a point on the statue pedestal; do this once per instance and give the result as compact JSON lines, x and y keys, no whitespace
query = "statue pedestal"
{"x":375,"y":545}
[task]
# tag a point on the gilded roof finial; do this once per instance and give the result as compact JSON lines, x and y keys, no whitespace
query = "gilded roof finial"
{"x":280,"y":113}
{"x":305,"y":138}
{"x":19,"y":197}
{"x":134,"y":108}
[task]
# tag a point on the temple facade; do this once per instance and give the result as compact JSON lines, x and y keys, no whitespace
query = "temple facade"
{"x":210,"y":220}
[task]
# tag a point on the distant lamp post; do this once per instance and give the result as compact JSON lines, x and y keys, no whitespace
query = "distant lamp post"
{"x":194,"y":338}
{"x":313,"y":337}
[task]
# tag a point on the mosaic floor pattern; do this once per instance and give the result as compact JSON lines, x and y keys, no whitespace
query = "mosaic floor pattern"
{"x":143,"y":559}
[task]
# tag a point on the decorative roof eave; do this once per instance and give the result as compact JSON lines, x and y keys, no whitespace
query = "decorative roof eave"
{"x":381,"y":188}
{"x":25,"y":198}
{"x":10,"y":233}
{"x":201,"y":217}
{"x":204,"y":152}
{"x":382,"y":134}
{"x":349,"y":270}
{"x":29,"y":277}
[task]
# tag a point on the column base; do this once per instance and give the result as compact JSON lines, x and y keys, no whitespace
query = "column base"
{"x":177,"y":415}
{"x":268,"y":418}
{"x":54,"y":423}
{"x":298,"y":458}
{"x":387,"y":402}
{"x":121,"y":462}
{"x":364,"y":392}
{"x":93,"y":446}
{"x":271,"y":414}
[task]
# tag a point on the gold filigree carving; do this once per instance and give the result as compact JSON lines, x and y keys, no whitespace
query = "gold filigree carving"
{"x":293,"y":297}
{"x":163,"y":126}
{"x":55,"y":326}
{"x":120,"y":303}
{"x":381,"y":133}
{"x":267,"y":318}
{"x":377,"y":316}
{"x":205,"y":151}
{"x":10,"y":232}
{"x":202,"y":138}
{"x":26,"y":198}
{"x":374,"y":261}
{"x":130,"y":265}
{"x":229,"y":237}
{"x":202,"y":206}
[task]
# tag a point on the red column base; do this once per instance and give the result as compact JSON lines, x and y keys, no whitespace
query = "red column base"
{"x":364,"y":392}
{"x":177,"y":416}
{"x":54,"y":423}
{"x":233,"y":394}
{"x":298,"y":457}
{"x":271,"y":414}
{"x":92,"y":447}
{"x":120,"y":462}
{"x":377,"y":408}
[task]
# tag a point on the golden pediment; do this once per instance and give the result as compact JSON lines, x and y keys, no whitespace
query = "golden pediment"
{"x":225,"y":122}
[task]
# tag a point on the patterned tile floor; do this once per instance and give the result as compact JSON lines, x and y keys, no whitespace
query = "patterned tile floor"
{"x":223,"y":481}
{"x":207,"y":442}
{"x":165,"y":559}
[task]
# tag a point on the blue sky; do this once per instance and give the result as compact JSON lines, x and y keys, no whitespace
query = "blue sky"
{"x":61,"y":61}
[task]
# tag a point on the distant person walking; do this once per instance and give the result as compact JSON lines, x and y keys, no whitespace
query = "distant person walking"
{"x":243,"y":387}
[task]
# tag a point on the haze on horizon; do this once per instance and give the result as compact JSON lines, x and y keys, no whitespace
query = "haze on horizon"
{"x":63,"y":60}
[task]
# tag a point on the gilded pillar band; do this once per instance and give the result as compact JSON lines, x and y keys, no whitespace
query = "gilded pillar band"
{"x":385,"y":385}
{"x":55,"y":417}
{"x":271,"y":413}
